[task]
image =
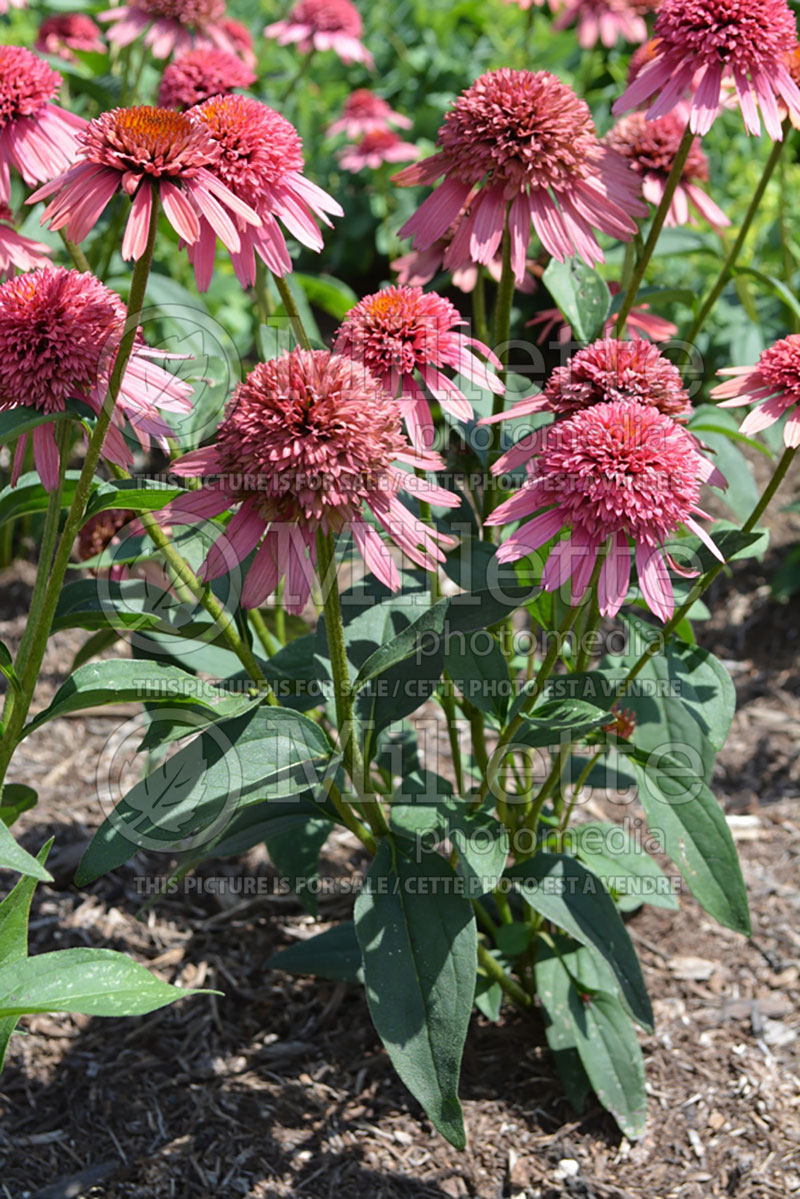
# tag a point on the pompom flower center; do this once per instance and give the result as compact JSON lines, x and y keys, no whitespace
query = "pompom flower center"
{"x":309,"y":437}
{"x":197,"y":13}
{"x":58,"y":328}
{"x":328,"y":16}
{"x":736,"y":33}
{"x":612,"y":370}
{"x":255,"y":146}
{"x":399,"y":328}
{"x":150,"y":141}
{"x":780,"y":366}
{"x":26,"y":83}
{"x":652,"y":145}
{"x":621,"y":467}
{"x":512,"y":126}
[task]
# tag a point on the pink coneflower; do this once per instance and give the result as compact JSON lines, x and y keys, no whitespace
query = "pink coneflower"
{"x":641,"y":56}
{"x":651,"y":147}
{"x":198,"y":75}
{"x":641,"y":320}
{"x":137,"y":150}
{"x":5,"y":5}
{"x":236,"y":37}
{"x":309,"y":439}
{"x":36,"y":137}
{"x":364,"y":112}
{"x":376,"y":148}
{"x":612,"y":473}
{"x":17,"y":251}
{"x":522,"y":140}
{"x":773,"y":385}
{"x":402,"y":335}
{"x":607,"y":371}
{"x":169,"y":26}
{"x":67,"y":32}
{"x":324,"y":25}
{"x":260,"y":159}
{"x":606,"y":21}
{"x":708,"y":41}
{"x":59,"y":335}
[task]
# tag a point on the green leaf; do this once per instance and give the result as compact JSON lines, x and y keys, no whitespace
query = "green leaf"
{"x":620,"y":861}
{"x":334,"y":954}
{"x":295,"y":854}
{"x":138,"y":495}
{"x":124,"y":681}
{"x":14,"y":857}
{"x":29,"y":496}
{"x":16,"y":799}
{"x":100,"y":641}
{"x":94,"y":982}
{"x":556,"y":719}
{"x":7,"y":666}
{"x":562,"y":890}
{"x":478,"y":667}
{"x":581,"y":294}
{"x":611,"y":1056}
{"x":15,"y":422}
{"x":258,"y":822}
{"x":488,"y":998}
{"x":14,"y":915}
{"x":268,"y":753}
{"x":399,"y":648}
{"x":331,"y":295}
{"x":553,"y":987}
{"x":481,"y":842}
{"x":419,"y":948}
{"x":681,"y":809}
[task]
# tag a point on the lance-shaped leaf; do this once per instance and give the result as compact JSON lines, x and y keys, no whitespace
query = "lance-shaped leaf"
{"x":137,"y":495}
{"x":564,"y":891}
{"x":14,"y":857}
{"x":419,"y":945}
{"x":680,"y":808}
{"x":269,"y":753}
{"x":126,"y":681}
{"x":94,"y":982}
{"x":333,"y":954}
{"x":581,"y":295}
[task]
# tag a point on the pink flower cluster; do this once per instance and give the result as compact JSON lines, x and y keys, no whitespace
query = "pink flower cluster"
{"x":310,"y":439}
{"x":59,"y":335}
{"x":616,"y":466}
{"x":323,"y":25}
{"x":367,"y":120}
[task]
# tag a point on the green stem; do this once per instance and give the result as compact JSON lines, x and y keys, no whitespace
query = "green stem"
{"x":334,"y":627}
{"x":577,"y":790}
{"x":660,"y":216}
{"x":733,"y":253}
{"x":38,"y":645}
{"x":708,"y":578}
{"x":493,"y":970}
{"x":262,"y":632}
{"x":79,"y":259}
{"x":263,"y":305}
{"x":480,"y":328}
{"x":301,"y":337}
{"x":305,"y":63}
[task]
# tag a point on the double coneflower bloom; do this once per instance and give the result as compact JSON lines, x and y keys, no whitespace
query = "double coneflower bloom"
{"x":310,"y":440}
{"x":198,"y":75}
{"x":615,"y":467}
{"x":700,"y":44}
{"x":170,"y":26}
{"x":406,"y":338}
{"x":59,"y":335}
{"x":773,"y":385}
{"x":36,"y":136}
{"x":144,"y":151}
{"x":520,"y":147}
{"x":323,"y":25}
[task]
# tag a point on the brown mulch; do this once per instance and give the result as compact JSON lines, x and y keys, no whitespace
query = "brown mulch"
{"x":281,"y":1088}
